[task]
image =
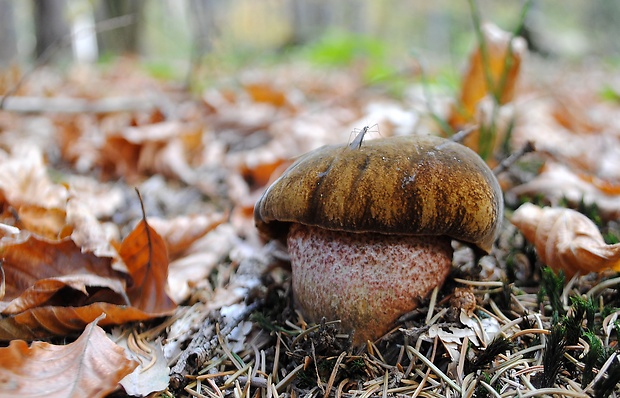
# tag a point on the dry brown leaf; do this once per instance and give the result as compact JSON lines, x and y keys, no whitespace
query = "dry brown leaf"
{"x":557,"y":183}
{"x":170,"y":160}
{"x":144,"y":253}
{"x":88,"y":232}
{"x":91,"y":366}
{"x":49,"y":223}
{"x":43,"y":322}
{"x":103,"y":200}
{"x":24,"y":180}
{"x":40,"y":272}
{"x":164,"y":147}
{"x":119,"y":157}
{"x":595,"y":153}
{"x":181,"y":232}
{"x":200,"y":260}
{"x":504,"y":56}
{"x":566,"y":240}
{"x":265,"y":92}
{"x":504,"y":53}
{"x":152,"y":373}
{"x":89,"y":202}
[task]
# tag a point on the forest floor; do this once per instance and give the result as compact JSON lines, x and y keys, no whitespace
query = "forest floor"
{"x":198,"y":304}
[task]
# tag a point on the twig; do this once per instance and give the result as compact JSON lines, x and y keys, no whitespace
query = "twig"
{"x":257,"y":381}
{"x":462,"y":134}
{"x":202,"y":345}
{"x":76,"y":105}
{"x":510,"y":160}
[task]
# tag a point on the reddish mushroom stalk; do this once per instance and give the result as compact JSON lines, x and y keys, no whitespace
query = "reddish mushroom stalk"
{"x":365,"y":280}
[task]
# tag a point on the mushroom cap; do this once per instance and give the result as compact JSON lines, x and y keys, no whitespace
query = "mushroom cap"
{"x":408,"y":185}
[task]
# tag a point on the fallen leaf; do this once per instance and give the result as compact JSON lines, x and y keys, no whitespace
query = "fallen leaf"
{"x":566,"y":240}
{"x":91,"y":366}
{"x":266,"y":93}
{"x":88,"y":232}
{"x":164,"y":147}
{"x":24,"y":180}
{"x":49,"y":223}
{"x":504,"y":53}
{"x":181,"y":232}
{"x":494,"y":75}
{"x":40,"y":272}
{"x":43,"y":322}
{"x":144,"y":253}
{"x":89,"y":202}
{"x":478,"y":332}
{"x":152,"y":373}
{"x":596,"y":153}
{"x":557,"y":183}
{"x":200,"y":260}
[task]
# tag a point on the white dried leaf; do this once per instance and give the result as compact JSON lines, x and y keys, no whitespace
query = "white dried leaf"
{"x":566,"y":239}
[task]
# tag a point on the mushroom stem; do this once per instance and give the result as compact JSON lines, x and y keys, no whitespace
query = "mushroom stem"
{"x":367,"y":280}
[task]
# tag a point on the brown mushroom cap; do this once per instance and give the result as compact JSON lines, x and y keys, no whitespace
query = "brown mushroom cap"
{"x":409,"y":185}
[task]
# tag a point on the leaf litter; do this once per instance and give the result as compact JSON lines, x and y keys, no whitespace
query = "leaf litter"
{"x":202,"y":305}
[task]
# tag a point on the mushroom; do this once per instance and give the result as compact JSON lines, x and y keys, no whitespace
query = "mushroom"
{"x":369,"y":225}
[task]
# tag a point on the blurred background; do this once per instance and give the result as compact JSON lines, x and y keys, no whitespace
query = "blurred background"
{"x":176,"y":38}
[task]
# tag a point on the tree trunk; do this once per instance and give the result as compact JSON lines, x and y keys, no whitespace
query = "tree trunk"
{"x":124,"y":38}
{"x":8,"y":40}
{"x":51,"y":30}
{"x":205,"y":29}
{"x":312,"y":18}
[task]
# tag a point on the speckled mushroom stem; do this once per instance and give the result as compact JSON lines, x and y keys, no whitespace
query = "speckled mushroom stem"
{"x":367,"y":280}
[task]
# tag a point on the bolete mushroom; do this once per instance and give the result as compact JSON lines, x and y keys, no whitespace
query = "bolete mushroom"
{"x":369,"y":225}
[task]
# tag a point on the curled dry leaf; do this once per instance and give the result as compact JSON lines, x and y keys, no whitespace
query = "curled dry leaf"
{"x":91,"y":366}
{"x":89,"y":233}
{"x":53,"y":288}
{"x":43,"y":322}
{"x":558,"y":183}
{"x":181,"y":232}
{"x":24,"y":180}
{"x":504,"y":53}
{"x":267,"y":93}
{"x":492,"y":74}
{"x":43,"y":273}
{"x":163,"y":147}
{"x":200,"y":260}
{"x":152,"y":374}
{"x":566,"y":239}
{"x":50,"y":223}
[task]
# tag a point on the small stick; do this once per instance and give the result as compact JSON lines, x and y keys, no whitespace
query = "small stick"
{"x":462,"y":134}
{"x":510,"y":160}
{"x":76,"y":105}
{"x":202,"y":345}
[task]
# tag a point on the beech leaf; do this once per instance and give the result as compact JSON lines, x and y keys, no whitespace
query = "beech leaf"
{"x":566,"y":239}
{"x":145,"y":255}
{"x":42,"y":322}
{"x":91,"y":366}
{"x":504,"y":53}
{"x":37,"y":272}
{"x":492,"y":74}
{"x":152,"y":373}
{"x":181,"y":232}
{"x":50,"y":223}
